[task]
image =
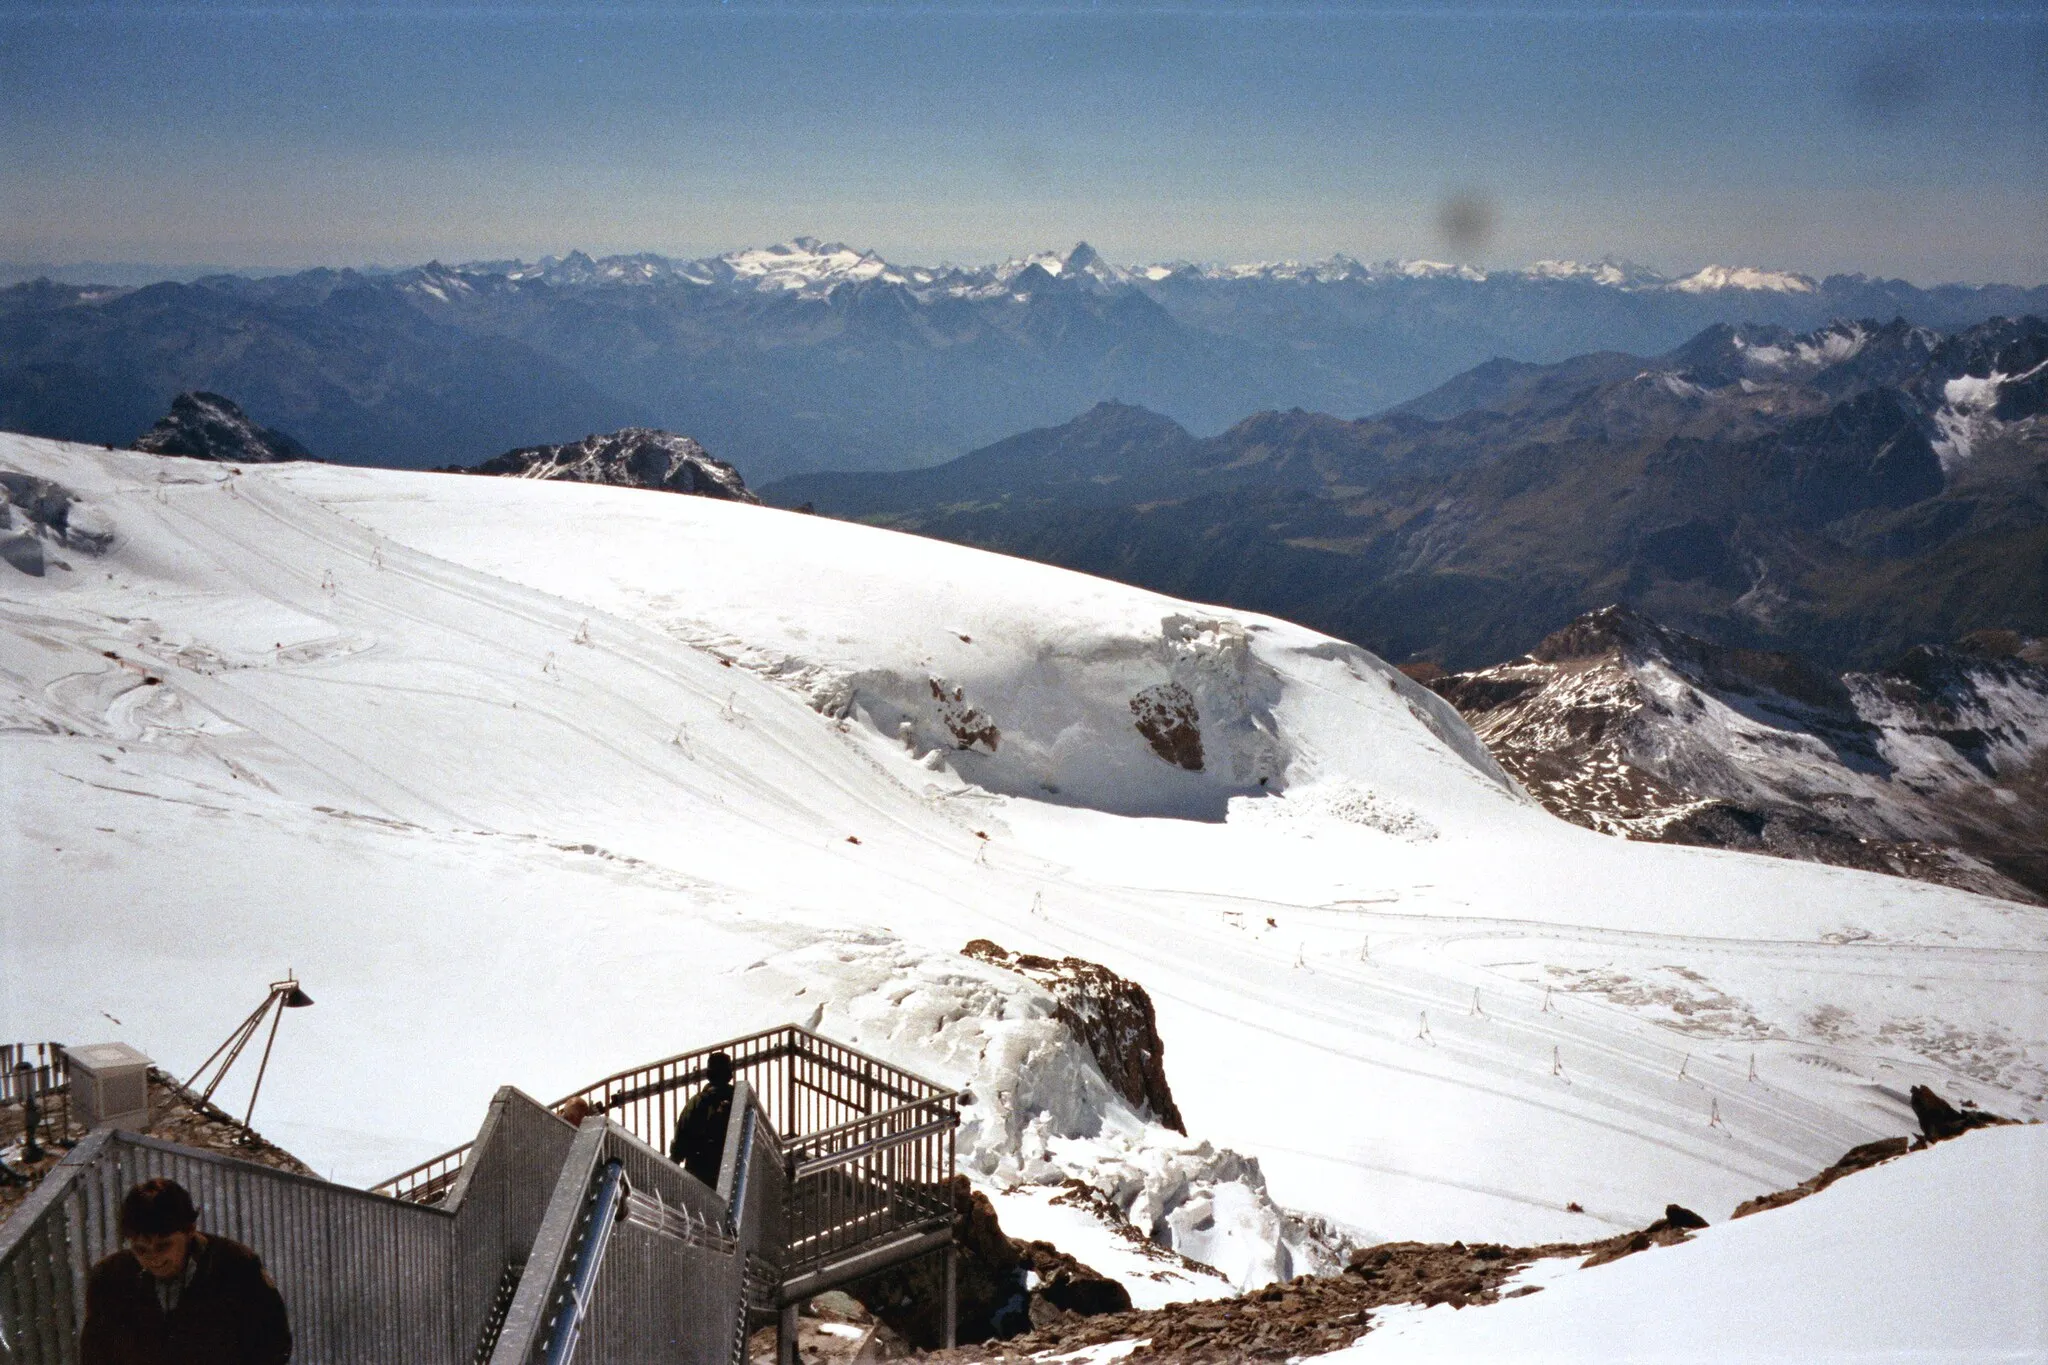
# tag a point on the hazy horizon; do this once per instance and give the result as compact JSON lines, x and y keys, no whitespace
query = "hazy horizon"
{"x":138,"y":273}
{"x":1891,"y":140}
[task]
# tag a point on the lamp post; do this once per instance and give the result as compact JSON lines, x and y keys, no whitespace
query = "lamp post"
{"x":284,"y":995}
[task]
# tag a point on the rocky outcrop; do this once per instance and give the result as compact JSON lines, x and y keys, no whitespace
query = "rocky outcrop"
{"x":1165,"y":715}
{"x":1855,"y":1159}
{"x":1940,"y":1120}
{"x":1934,"y":767}
{"x":1111,"y":1015}
{"x":633,"y":457}
{"x":206,"y":426}
{"x":1677,"y":1225}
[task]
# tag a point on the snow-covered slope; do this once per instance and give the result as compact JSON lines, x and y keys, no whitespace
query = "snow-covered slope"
{"x":531,"y":781}
{"x":1938,"y":1257}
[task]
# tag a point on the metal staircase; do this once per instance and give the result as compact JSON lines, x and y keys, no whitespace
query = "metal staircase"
{"x":543,"y":1244}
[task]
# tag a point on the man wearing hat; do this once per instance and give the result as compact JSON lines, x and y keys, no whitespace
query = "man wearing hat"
{"x":178,"y":1296}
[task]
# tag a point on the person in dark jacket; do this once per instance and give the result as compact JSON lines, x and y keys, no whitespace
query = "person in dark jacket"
{"x":700,"y":1132}
{"x":177,"y":1296}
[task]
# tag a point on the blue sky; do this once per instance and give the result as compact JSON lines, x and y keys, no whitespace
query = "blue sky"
{"x":1902,"y":140}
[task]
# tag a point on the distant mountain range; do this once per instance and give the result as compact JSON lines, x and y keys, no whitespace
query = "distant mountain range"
{"x":812,"y":355}
{"x":1845,"y":492}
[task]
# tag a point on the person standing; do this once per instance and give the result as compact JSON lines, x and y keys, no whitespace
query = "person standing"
{"x":178,"y":1296}
{"x":700,"y":1131}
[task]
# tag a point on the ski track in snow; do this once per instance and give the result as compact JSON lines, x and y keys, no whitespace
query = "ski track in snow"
{"x":500,"y":768}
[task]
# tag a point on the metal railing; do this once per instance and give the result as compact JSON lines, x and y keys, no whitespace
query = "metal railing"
{"x":364,"y":1278}
{"x":806,"y":1083}
{"x":519,"y":1248}
{"x":635,"y":1261}
{"x":49,"y":1071}
{"x":868,"y":1147}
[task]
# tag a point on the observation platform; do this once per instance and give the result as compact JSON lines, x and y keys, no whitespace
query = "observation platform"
{"x":541,"y":1243}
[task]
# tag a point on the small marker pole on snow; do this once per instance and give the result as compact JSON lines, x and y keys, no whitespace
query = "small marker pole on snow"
{"x":1556,"y":1061}
{"x":1365,"y":949}
{"x":1714,"y":1118}
{"x":1423,"y":1033}
{"x":1752,"y":1066}
{"x":1546,"y":1002}
{"x":1684,"y":1064}
{"x":1476,"y":1008}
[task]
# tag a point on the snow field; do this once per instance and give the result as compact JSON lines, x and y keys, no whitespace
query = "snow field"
{"x":533,"y":782}
{"x":1938,"y":1257}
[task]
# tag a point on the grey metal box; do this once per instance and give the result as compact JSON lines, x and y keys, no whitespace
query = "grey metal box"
{"x":110,"y":1086}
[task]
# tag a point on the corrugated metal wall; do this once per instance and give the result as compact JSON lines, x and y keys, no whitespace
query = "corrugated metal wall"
{"x":363,"y":1278}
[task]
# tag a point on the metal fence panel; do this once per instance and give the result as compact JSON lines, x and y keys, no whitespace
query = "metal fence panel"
{"x":347,"y":1263}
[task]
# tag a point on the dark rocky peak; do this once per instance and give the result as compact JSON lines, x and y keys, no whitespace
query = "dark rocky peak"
{"x":1080,"y":258}
{"x":1869,"y":451}
{"x":206,"y":426}
{"x":2004,"y":644}
{"x":1502,"y":385}
{"x":1879,"y":355}
{"x":635,"y":457}
{"x":1630,"y":634}
{"x":1110,"y":441}
{"x":2011,"y":352}
{"x":1033,"y":278}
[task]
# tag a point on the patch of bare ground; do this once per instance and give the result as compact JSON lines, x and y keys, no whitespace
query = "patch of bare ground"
{"x":176,"y":1115}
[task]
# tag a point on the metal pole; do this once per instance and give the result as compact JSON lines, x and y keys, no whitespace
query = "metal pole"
{"x":952,"y":1295}
{"x":785,"y":1336}
{"x":31,"y":1150}
{"x":264,"y":1065}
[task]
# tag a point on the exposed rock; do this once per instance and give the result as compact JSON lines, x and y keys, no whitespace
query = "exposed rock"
{"x":1111,"y":1015}
{"x":633,"y":457}
{"x":1677,"y":1225}
{"x":1167,"y":718}
{"x":1855,"y":1159}
{"x":1934,"y":767}
{"x":1940,"y":1120}
{"x":967,"y":723}
{"x":206,"y":426}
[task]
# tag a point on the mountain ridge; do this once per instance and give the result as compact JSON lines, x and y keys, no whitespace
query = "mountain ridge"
{"x":1845,"y":492}
{"x":815,"y":355}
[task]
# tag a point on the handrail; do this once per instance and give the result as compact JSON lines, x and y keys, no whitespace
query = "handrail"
{"x":423,"y":1182}
{"x":604,"y":1214}
{"x":847,"y":1155}
{"x":526,"y":1319}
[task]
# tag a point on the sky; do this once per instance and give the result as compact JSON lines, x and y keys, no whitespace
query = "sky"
{"x":1896,"y":140}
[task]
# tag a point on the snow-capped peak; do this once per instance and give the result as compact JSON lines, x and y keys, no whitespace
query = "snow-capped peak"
{"x":806,"y":264}
{"x":1713,"y":277}
{"x":1609,"y":271}
{"x":1830,"y":345}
